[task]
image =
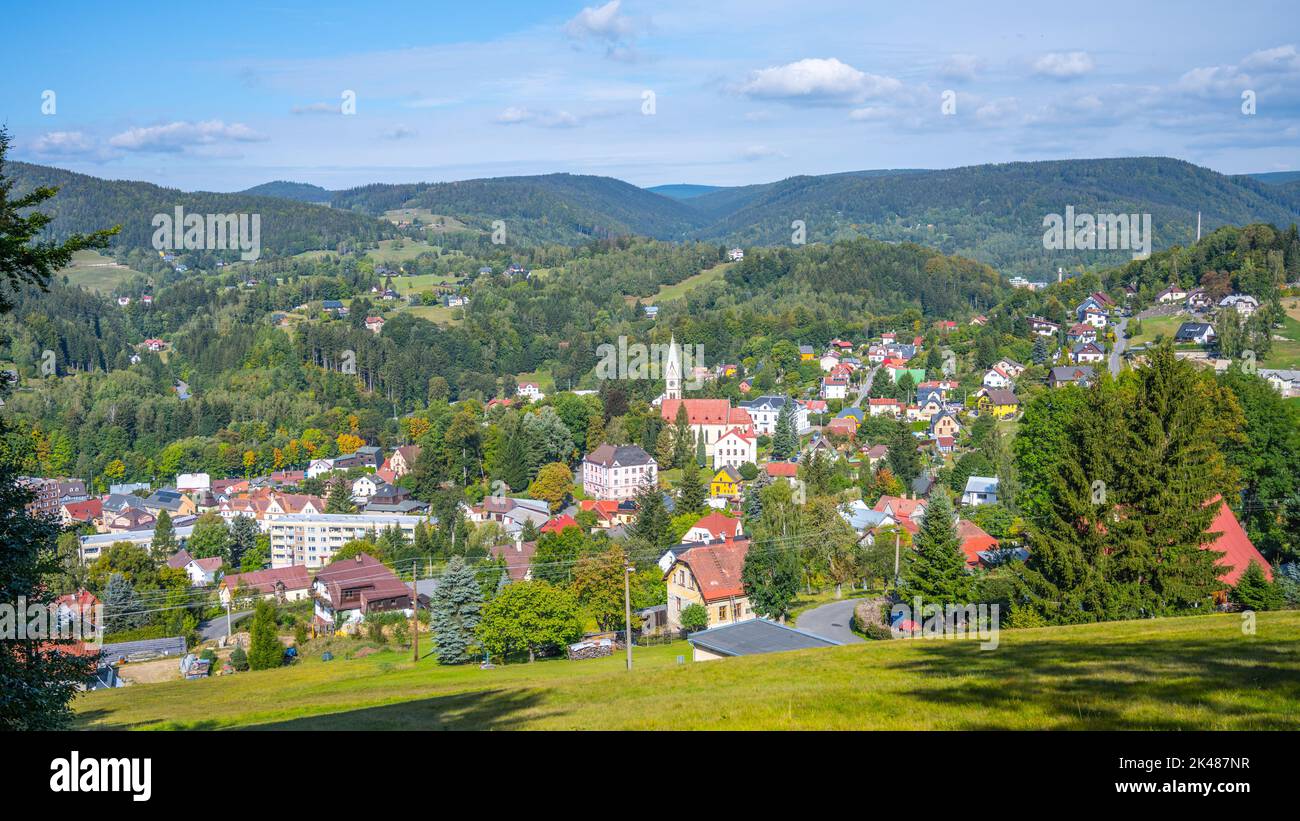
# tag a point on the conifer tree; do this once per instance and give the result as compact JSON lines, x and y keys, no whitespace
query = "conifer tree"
{"x":691,"y":491}
{"x":937,"y":572}
{"x":904,"y":461}
{"x":264,"y":648}
{"x":456,"y":612}
{"x":164,"y":537}
{"x":682,"y":438}
{"x":771,"y":578}
{"x":785,"y":439}
{"x":1254,"y":591}
{"x":121,"y":605}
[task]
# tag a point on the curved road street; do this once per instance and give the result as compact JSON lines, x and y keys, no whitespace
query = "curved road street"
{"x":831,"y":621}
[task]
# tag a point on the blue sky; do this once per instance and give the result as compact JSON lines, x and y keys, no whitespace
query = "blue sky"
{"x":743,"y":91}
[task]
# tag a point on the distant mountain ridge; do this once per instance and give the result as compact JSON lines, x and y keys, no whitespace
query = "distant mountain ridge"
{"x":990,"y":213}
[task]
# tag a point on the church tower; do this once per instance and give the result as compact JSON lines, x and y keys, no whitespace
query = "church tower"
{"x":673,"y":371}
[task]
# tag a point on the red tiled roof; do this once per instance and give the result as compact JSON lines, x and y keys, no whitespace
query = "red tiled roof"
{"x":717,"y":567}
{"x":294,"y":577}
{"x":559,"y":523}
{"x":719,"y":526}
{"x":706,"y":412}
{"x":973,"y":540}
{"x":365,"y":574}
{"x":84,"y":511}
{"x":1236,"y":546}
{"x":781,"y":469}
{"x":518,"y":558}
{"x":905,"y":508}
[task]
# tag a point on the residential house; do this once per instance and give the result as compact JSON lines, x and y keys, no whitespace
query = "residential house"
{"x":518,"y":559}
{"x":1200,"y":333}
{"x":751,"y":637}
{"x":170,"y":500}
{"x":618,"y":472}
{"x":1243,"y":304}
{"x":726,"y":482}
{"x":997,"y":378}
{"x":345,"y":592}
{"x":1198,"y":300}
{"x":945,"y":424}
{"x":980,"y":490}
{"x":834,"y":388}
{"x":709,"y":575}
{"x":1000,"y":403}
{"x":283,"y":584}
{"x":374,"y":324}
{"x":1087,"y":353}
{"x":1082,"y":332}
{"x":1081,"y":375}
{"x":766,"y":410}
{"x":312,"y":539}
{"x":1043,"y":327}
{"x":885,"y":407}
{"x":1285,"y":382}
{"x":81,"y":513}
{"x":530,"y":391}
{"x":1172,"y":293}
{"x":403,"y":459}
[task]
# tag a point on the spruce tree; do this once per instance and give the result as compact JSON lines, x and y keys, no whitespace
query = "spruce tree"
{"x":653,"y":524}
{"x":121,"y":605}
{"x":456,"y":611}
{"x":1254,"y":591}
{"x":164,"y":537}
{"x":264,"y":648}
{"x":339,"y":498}
{"x":904,"y":460}
{"x":691,"y":490}
{"x":682,"y":438}
{"x":937,"y":573}
{"x":785,"y":439}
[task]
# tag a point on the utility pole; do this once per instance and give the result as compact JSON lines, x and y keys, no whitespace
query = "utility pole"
{"x":229,"y":596}
{"x":627,"y":612}
{"x":897,"y":536}
{"x":415,"y":609}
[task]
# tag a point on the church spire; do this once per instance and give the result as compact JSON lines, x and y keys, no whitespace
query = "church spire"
{"x":673,"y":371}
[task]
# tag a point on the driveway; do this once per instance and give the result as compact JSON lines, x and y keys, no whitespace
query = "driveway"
{"x":831,"y":621}
{"x":1118,"y":349}
{"x":215,"y":629}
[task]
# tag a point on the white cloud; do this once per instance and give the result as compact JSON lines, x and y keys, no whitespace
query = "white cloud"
{"x":600,"y":23}
{"x":400,"y":132}
{"x":1064,"y":65}
{"x":754,"y":153}
{"x":515,"y":115}
{"x":816,"y":80}
{"x":961,"y":67}
{"x":317,"y":108}
{"x":64,"y":143}
{"x":181,"y":136}
{"x":1283,"y":59}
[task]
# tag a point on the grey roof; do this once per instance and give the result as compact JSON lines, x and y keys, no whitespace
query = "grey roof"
{"x":771,"y":401}
{"x":747,"y":638}
{"x":174,"y":646}
{"x":1191,"y":330}
{"x":982,"y":484}
{"x":404,"y":506}
{"x":623,"y":455}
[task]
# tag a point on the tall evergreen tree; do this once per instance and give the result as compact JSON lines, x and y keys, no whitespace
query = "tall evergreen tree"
{"x":653,"y":524}
{"x":682,"y":439}
{"x":164,"y":537}
{"x":785,"y":439}
{"x":122,"y":609}
{"x":691,"y":491}
{"x":339,"y":498}
{"x":264,"y":648}
{"x":456,"y":612}
{"x":937,"y":572}
{"x":904,"y":460}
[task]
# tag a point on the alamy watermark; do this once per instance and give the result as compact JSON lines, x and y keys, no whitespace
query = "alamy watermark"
{"x":1098,"y":232}
{"x":946,"y":621}
{"x":209,"y":232}
{"x":53,"y":621}
{"x":636,"y":360}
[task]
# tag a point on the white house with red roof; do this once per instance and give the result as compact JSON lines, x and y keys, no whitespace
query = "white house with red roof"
{"x":734,"y":448}
{"x":713,"y":527}
{"x":530,"y":391}
{"x":710,"y":418}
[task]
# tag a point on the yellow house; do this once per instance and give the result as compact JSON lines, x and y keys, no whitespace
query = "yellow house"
{"x":709,"y":575}
{"x":806,"y":353}
{"x":999,"y":402}
{"x":726,"y":482}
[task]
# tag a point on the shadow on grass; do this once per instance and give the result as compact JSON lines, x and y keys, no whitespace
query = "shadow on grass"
{"x":1246,"y":684}
{"x":479,"y":710}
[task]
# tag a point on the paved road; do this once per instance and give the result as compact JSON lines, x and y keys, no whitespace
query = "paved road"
{"x":1118,"y":347}
{"x":830,"y":621}
{"x":215,"y":629}
{"x":866,"y":387}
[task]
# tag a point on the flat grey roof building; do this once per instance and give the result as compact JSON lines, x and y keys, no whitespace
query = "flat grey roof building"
{"x":751,"y":637}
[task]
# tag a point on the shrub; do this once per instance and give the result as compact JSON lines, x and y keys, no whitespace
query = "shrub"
{"x":694,"y":618}
{"x":239,"y":659}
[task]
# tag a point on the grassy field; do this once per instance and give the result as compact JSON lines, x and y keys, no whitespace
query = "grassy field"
{"x":1155,"y":326}
{"x":1187,"y":673}
{"x":96,"y":272}
{"x":1286,"y":353}
{"x":667,"y":293}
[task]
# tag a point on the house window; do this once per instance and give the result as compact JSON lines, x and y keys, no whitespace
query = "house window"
{"x":722,"y":613}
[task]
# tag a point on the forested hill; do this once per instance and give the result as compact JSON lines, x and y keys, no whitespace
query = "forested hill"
{"x":86,"y":203}
{"x":300,"y":191}
{"x":990,"y":213}
{"x":549,"y":208}
{"x":994,"y":213}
